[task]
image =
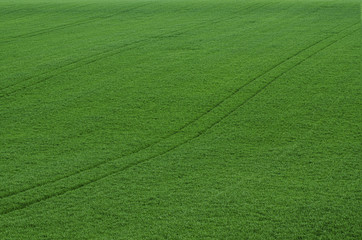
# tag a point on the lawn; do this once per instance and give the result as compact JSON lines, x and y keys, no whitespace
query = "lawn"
{"x":180,"y":119}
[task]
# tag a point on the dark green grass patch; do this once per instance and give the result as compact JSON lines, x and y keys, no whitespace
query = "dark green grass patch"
{"x":180,"y":119}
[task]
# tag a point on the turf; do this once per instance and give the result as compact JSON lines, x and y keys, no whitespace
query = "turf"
{"x":160,"y":119}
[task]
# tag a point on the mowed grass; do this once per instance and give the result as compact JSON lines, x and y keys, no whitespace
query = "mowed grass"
{"x":156,"y":119}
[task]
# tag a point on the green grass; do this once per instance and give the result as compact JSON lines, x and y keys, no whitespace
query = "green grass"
{"x":155,"y":119}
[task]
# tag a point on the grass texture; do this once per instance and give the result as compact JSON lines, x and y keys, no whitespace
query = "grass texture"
{"x":160,"y":119}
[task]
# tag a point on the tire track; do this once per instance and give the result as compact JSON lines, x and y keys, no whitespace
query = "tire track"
{"x":106,"y":161}
{"x":173,"y":133}
{"x":63,"y":69}
{"x":71,"y":63}
{"x":64,"y":26}
{"x":270,"y":82}
{"x":14,"y":9}
{"x":77,"y":61}
{"x":107,"y":53}
{"x":111,"y":170}
{"x":45,"y":5}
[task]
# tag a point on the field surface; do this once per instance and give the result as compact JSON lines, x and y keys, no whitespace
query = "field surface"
{"x":180,"y":119}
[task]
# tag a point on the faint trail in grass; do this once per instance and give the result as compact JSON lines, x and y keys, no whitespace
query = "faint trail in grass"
{"x":183,"y":135}
{"x":169,"y":135}
{"x":103,"y":162}
{"x":30,"y":13}
{"x":64,"y":26}
{"x":102,"y":55}
{"x":270,"y":82}
{"x":7,"y":12}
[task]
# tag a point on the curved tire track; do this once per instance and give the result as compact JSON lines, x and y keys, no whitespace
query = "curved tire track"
{"x":164,"y":137}
{"x":108,"y":53}
{"x":131,"y":153}
{"x":167,"y":149}
{"x":67,"y":25}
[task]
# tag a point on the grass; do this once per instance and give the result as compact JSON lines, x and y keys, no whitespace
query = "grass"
{"x":157,"y":119}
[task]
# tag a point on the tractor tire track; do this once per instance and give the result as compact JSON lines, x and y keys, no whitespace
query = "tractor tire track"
{"x":178,"y":130}
{"x":73,"y":62}
{"x":64,"y":26}
{"x":115,"y":170}
{"x":106,"y":161}
{"x":30,"y":13}
{"x":107,"y":53}
{"x":270,"y":82}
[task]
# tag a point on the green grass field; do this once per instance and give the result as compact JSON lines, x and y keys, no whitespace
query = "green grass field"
{"x":180,"y":119}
